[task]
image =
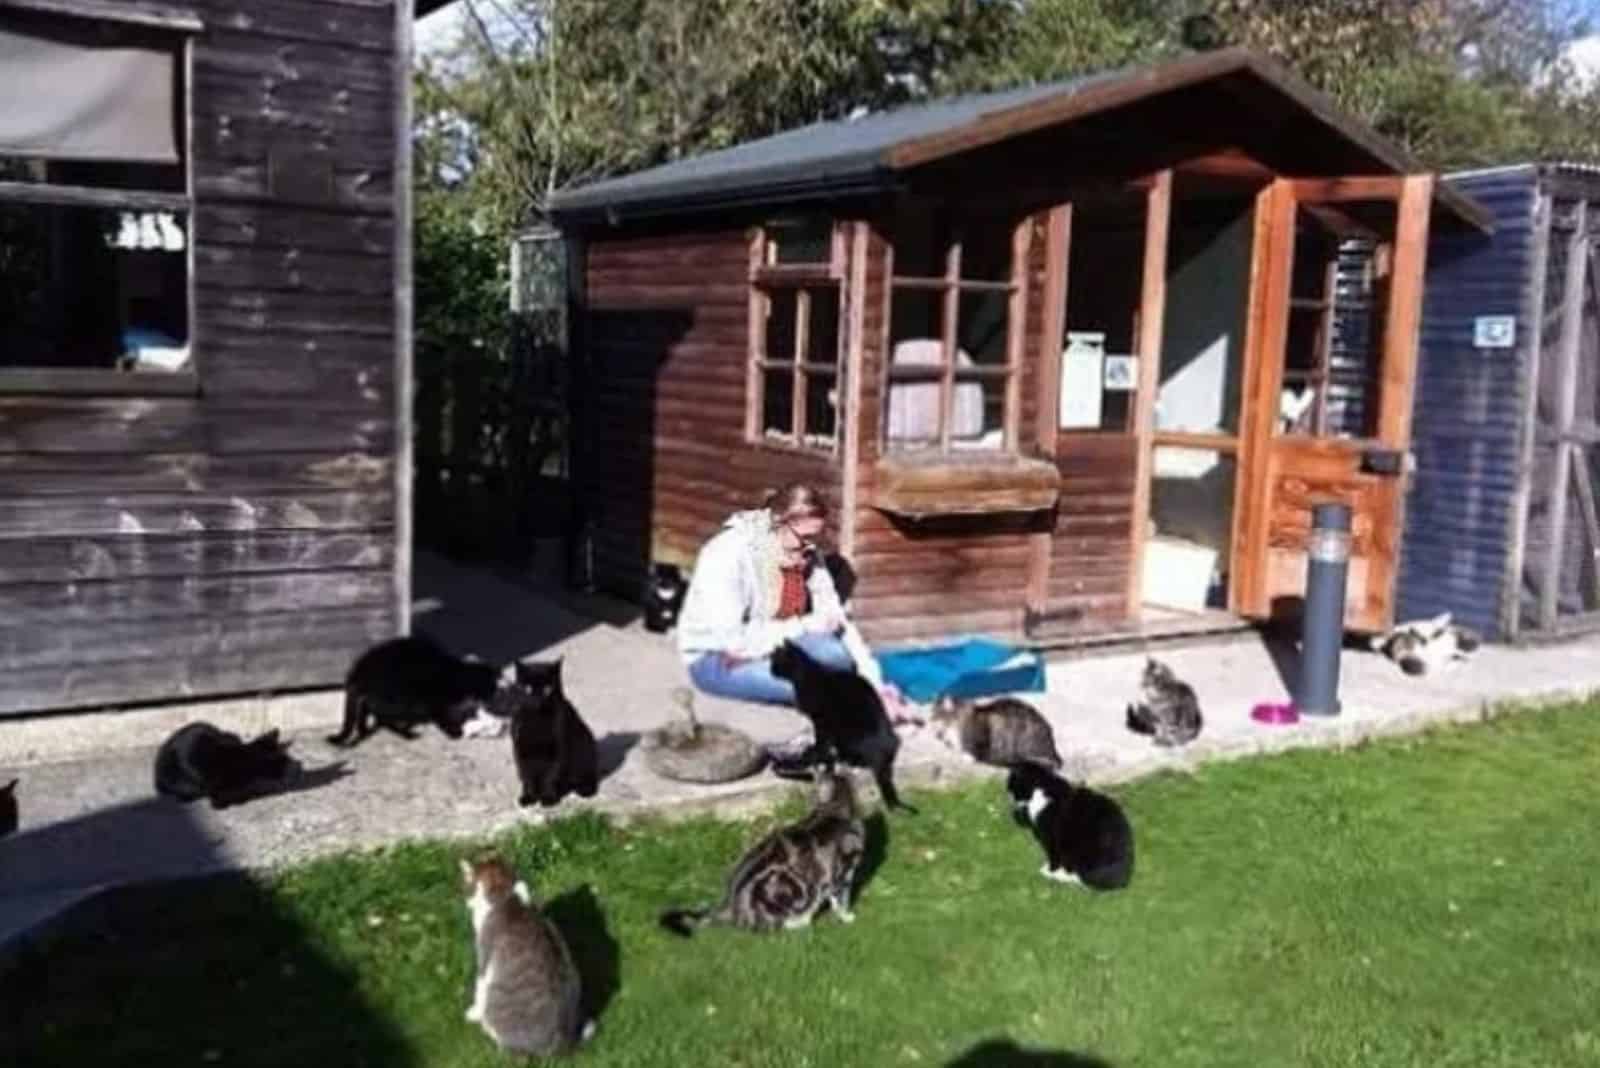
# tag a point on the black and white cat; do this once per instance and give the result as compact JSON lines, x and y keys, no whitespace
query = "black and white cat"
{"x":847,"y":717}
{"x":526,"y":992}
{"x":554,"y":749}
{"x":201,"y":760}
{"x":1085,"y":835}
{"x":1168,"y":709}
{"x":403,"y":683}
{"x":1422,"y":646}
{"x":10,"y":815}
{"x":663,"y":598}
{"x":784,"y":879}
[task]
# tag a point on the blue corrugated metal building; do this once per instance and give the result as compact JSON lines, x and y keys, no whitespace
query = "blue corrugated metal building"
{"x":1501,"y":416}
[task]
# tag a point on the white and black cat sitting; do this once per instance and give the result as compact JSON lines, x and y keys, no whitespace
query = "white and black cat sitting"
{"x":1085,"y":835}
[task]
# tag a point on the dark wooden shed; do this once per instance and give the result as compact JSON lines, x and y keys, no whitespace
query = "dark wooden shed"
{"x":204,"y":345}
{"x":1066,"y":357}
{"x":1502,"y":528}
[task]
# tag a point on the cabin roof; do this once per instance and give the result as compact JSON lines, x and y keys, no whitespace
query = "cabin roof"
{"x":867,"y":154}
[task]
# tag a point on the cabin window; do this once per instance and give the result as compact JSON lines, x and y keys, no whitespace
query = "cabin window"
{"x":951,"y":330}
{"x":94,"y":203}
{"x":797,"y":303}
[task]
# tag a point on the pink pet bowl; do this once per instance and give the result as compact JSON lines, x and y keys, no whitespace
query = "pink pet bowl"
{"x":1275,"y":715}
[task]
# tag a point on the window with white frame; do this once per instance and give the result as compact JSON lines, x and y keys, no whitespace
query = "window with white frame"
{"x":94,"y":194}
{"x":797,"y":302}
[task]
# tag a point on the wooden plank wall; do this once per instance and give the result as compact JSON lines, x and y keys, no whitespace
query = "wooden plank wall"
{"x":243,"y":539}
{"x":953,"y":576}
{"x":668,"y":344}
{"x":1091,"y":547}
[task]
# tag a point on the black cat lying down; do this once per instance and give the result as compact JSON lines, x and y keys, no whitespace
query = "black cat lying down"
{"x":200,"y":760}
{"x":403,"y":683}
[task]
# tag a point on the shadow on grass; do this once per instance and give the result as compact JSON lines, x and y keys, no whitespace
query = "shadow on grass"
{"x":1004,"y":1053}
{"x":876,"y":852}
{"x":178,"y":964}
{"x":582,"y":922}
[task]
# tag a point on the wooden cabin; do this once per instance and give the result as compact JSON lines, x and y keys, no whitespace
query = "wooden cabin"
{"x":1071,"y":360}
{"x":1502,"y":528}
{"x":204,"y":345}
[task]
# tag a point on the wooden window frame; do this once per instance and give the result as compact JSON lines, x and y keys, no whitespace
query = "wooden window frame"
{"x":950,"y":286}
{"x":768,"y":276}
{"x":102,"y":381}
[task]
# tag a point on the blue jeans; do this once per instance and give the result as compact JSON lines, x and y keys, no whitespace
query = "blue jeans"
{"x":753,"y":680}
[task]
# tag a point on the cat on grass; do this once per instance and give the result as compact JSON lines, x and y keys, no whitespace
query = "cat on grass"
{"x":526,"y":992}
{"x":1085,"y":835}
{"x":1168,"y":710}
{"x":786,"y":878}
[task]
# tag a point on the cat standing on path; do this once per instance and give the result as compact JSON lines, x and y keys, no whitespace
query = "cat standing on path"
{"x":403,"y":683}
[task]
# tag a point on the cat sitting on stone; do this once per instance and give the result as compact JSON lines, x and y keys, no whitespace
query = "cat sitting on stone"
{"x":1169,"y":709}
{"x":403,"y":683}
{"x":785,"y":878}
{"x":1004,"y":732}
{"x":1085,"y":835}
{"x":554,"y":749}
{"x":849,"y":721}
{"x":1422,"y":646}
{"x":526,"y":992}
{"x":200,"y":760}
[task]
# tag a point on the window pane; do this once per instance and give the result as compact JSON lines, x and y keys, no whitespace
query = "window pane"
{"x":915,"y":332}
{"x":1191,"y":510}
{"x":978,"y":414}
{"x":986,"y":251}
{"x":777,"y":402}
{"x":981,"y":329}
{"x":93,"y":288}
{"x":781,"y":310}
{"x":822,"y":337}
{"x":921,"y":241}
{"x":807,"y":239}
{"x":821,"y":409}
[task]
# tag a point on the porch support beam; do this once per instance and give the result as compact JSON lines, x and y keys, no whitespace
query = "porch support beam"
{"x":1152,"y":313}
{"x":1566,"y":397}
{"x":1057,"y":251}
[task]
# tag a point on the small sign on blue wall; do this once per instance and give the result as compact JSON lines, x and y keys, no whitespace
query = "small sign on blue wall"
{"x":1494,"y":331}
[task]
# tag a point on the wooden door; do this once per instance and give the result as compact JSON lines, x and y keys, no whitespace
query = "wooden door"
{"x":1332,"y":363}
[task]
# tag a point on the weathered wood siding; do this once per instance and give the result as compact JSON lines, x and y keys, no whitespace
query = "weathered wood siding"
{"x":1091,"y":544}
{"x":667,"y":335}
{"x":242,"y":539}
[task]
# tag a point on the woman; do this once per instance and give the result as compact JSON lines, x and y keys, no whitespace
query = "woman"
{"x":758,"y":583}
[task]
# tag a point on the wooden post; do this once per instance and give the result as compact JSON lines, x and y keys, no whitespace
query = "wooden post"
{"x":1152,"y":317}
{"x":1403,"y":323}
{"x":1566,"y":398}
{"x":1058,"y":250}
{"x":952,"y":310}
{"x":404,"y":387}
{"x":1533,"y":318}
{"x":850,"y":387}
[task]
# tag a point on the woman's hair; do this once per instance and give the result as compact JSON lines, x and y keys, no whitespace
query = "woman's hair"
{"x":796,"y":499}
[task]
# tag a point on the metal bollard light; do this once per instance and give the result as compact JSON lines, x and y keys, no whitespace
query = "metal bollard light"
{"x":1322,"y":625}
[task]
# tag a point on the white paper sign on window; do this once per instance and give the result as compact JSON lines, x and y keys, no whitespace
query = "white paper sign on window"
{"x":1082,"y":380}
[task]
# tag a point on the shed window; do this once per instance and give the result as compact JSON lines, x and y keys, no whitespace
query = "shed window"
{"x":94,"y":204}
{"x":796,"y":302}
{"x":951,"y":331}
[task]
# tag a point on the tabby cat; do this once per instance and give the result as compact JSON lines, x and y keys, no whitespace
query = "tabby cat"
{"x":1085,"y":835}
{"x":404,"y":682}
{"x":554,"y":749}
{"x":526,"y":993}
{"x":200,"y":760}
{"x":1004,"y":732}
{"x":785,"y":878}
{"x":847,"y":715}
{"x":1169,"y":711}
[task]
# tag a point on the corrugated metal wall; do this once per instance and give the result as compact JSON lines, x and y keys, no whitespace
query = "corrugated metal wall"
{"x":1468,"y":411}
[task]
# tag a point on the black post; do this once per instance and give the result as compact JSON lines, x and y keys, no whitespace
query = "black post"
{"x":1322,"y":635}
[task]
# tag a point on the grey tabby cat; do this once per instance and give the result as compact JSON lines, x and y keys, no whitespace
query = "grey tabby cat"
{"x":1169,"y":711}
{"x":1005,"y":732}
{"x":526,"y":994}
{"x":785,"y":879}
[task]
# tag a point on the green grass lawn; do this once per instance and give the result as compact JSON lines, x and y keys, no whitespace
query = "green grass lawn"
{"x":1428,"y":902}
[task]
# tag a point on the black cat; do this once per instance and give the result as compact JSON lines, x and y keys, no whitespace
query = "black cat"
{"x":200,"y":760}
{"x":848,"y":718}
{"x":663,"y":598}
{"x":554,"y":749}
{"x":405,"y":682}
{"x":9,"y":815}
{"x":1085,"y":835}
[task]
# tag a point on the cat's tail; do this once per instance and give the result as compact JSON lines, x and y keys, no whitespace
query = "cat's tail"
{"x":891,"y":796}
{"x":683,"y":922}
{"x":1140,"y":721}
